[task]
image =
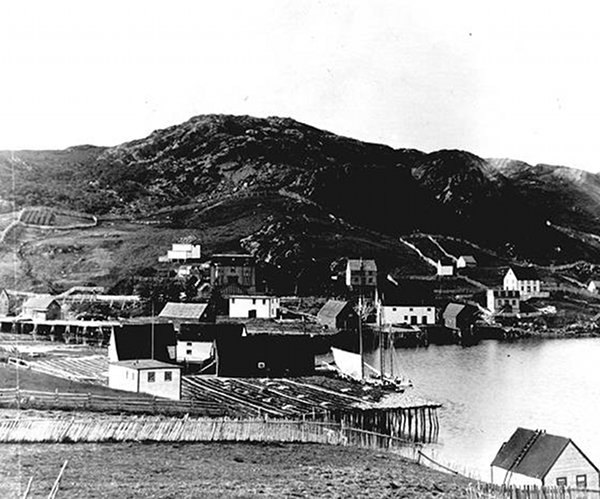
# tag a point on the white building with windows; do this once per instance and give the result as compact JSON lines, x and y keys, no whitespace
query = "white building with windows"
{"x":253,"y":306}
{"x":361,"y":274}
{"x":146,"y":376}
{"x":180,"y":252}
{"x":405,"y":314}
{"x":524,"y":280}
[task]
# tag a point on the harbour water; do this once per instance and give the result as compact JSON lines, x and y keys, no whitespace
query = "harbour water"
{"x":490,"y":389}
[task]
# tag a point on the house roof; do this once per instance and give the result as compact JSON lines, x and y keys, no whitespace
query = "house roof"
{"x":453,"y":310}
{"x":361,"y":264}
{"x":248,"y":296}
{"x":140,"y":364}
{"x":526,"y":273}
{"x":445,"y":261}
{"x":209,"y":332}
{"x":41,"y":302}
{"x":595,"y":283}
{"x":135,"y":341}
{"x":468,"y":258}
{"x":183,"y":310}
{"x":531,"y":453}
{"x":331,"y":309}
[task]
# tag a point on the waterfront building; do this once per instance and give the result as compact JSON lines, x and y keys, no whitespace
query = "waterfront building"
{"x":42,"y":308}
{"x":146,"y":376}
{"x":337,"y":315}
{"x":253,"y":306}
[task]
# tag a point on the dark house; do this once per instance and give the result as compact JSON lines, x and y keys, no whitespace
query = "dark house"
{"x":265,"y":356}
{"x":142,"y":341}
{"x":338,"y":315}
{"x":233,"y":268}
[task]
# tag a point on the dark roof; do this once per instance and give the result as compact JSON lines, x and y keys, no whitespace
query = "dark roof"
{"x":360,"y":264}
{"x":192,"y":311}
{"x":541,"y":452}
{"x":331,"y":309}
{"x":526,"y":273}
{"x":445,"y":261}
{"x":209,"y":332}
{"x":134,"y":341}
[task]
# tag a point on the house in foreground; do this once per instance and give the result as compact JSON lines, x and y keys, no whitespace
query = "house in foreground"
{"x":146,"y":376}
{"x":540,"y":459}
{"x":253,"y":306}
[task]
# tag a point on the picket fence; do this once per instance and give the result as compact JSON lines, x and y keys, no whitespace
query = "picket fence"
{"x":489,"y":491}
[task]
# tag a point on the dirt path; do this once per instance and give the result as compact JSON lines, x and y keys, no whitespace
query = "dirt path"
{"x":219,"y":470}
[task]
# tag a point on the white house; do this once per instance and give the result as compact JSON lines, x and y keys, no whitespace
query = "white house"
{"x":253,"y":306}
{"x":525,"y":280}
{"x":445,"y":267}
{"x":146,"y":376}
{"x":537,"y":458}
{"x":503,"y":301}
{"x":594,"y":287}
{"x":405,"y":314}
{"x":180,"y":252}
{"x":465,"y":261}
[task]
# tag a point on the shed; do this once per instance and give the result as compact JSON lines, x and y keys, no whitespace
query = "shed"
{"x":142,"y":341}
{"x":594,"y":286}
{"x":41,"y":307}
{"x":538,"y":458}
{"x":459,"y":316}
{"x":338,"y":315}
{"x":445,"y":266}
{"x":146,"y":376}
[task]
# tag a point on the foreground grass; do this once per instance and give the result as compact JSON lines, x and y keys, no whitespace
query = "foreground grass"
{"x":218,"y":470}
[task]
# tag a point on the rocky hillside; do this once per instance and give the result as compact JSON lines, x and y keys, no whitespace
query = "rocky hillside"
{"x":300,"y":197}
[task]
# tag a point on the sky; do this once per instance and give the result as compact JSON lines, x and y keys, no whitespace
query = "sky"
{"x":500,"y":79}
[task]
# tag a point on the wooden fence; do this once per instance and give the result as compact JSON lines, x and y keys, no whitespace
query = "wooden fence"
{"x":22,"y":399}
{"x":489,"y":491}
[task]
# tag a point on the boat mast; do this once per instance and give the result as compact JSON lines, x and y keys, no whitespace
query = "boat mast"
{"x":360,"y":338}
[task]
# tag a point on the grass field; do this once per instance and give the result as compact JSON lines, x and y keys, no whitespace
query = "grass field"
{"x":218,"y":470}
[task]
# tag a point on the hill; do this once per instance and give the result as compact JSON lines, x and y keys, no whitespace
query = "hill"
{"x":297,"y":197}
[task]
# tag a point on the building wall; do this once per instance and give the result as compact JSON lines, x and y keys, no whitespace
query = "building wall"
{"x":4,"y":304}
{"x":160,"y":387}
{"x":361,"y":278}
{"x":496,"y":303}
{"x":265,"y":307}
{"x":570,"y":464}
{"x":445,"y":269}
{"x":122,"y":378}
{"x":193,"y":351}
{"x":400,"y":314}
{"x":528,"y":289}
{"x":244,"y":275}
{"x":499,"y":474}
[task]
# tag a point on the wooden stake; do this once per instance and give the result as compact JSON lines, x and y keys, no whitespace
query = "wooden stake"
{"x":56,"y":485}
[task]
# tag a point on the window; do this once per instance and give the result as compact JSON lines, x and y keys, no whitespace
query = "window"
{"x":264,"y":301}
{"x":561,"y":481}
{"x":188,"y":352}
{"x":151,"y":376}
{"x":581,"y":481}
{"x":253,"y":301}
{"x":189,"y":344}
{"x":393,"y":309}
{"x":168,"y":376}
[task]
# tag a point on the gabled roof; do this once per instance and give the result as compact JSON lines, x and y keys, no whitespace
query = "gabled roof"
{"x":595,"y":283}
{"x":468,"y":258}
{"x":531,"y":453}
{"x":526,"y":273}
{"x":134,"y":341}
{"x":192,"y":311}
{"x":362,"y":264}
{"x":453,"y":310}
{"x":331,"y":309}
{"x":41,"y":302}
{"x":445,"y":261}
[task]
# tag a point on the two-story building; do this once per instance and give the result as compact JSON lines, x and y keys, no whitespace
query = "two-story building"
{"x":525,"y":280}
{"x":254,"y":306}
{"x":503,"y":301}
{"x":389,"y":313}
{"x":361,"y":275}
{"x":232,"y":268}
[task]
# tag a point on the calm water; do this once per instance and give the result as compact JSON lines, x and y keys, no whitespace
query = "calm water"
{"x":490,"y":389}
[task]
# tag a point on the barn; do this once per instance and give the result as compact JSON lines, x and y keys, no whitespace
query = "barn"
{"x":538,"y":458}
{"x":337,"y":315}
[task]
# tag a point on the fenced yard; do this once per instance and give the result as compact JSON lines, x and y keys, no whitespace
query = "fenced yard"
{"x":489,"y":491}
